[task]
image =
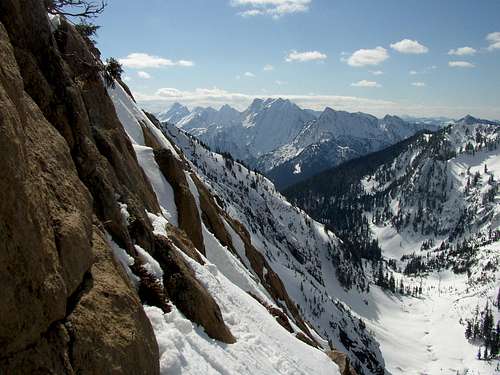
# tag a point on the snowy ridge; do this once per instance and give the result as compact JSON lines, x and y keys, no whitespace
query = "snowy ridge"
{"x":433,"y":206}
{"x":262,"y":344}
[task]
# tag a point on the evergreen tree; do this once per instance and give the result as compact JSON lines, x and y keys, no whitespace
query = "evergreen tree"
{"x":498,"y":300}
{"x":112,"y":71}
{"x":87,"y":30}
{"x":468,"y":330}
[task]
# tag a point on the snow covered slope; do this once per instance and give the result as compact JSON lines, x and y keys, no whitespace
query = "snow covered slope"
{"x":432,"y":204}
{"x":263,"y":294}
{"x":310,"y":260}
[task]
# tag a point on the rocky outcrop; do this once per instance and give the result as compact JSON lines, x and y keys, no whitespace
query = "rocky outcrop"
{"x":108,"y":329}
{"x":270,"y":280}
{"x":212,"y":215}
{"x":188,"y":216}
{"x":65,"y":164}
{"x":342,"y":360}
{"x":190,"y":297}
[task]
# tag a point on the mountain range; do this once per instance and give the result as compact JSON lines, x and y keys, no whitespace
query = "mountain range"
{"x":289,"y":143}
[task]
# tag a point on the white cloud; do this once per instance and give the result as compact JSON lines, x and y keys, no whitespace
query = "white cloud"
{"x":462,"y":51}
{"x":280,"y":83}
{"x":273,"y":8}
{"x":461,"y":64}
{"x":215,"y":97}
{"x":305,"y":56}
{"x":494,"y":40}
{"x":127,"y":78}
{"x":268,"y":68}
{"x":409,"y":46}
{"x":413,"y":72}
{"x":144,"y":75}
{"x":364,"y":57}
{"x":249,"y":74}
{"x":377,"y":72}
{"x":138,"y":60}
{"x":365,"y":83}
{"x":418,"y":84}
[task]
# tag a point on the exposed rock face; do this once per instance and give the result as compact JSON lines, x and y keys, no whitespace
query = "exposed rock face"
{"x":108,"y":328}
{"x":189,"y":219}
{"x":45,"y":215}
{"x":190,"y":297}
{"x":65,"y":162}
{"x":342,"y":361}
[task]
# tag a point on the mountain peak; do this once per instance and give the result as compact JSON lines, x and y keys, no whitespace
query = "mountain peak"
{"x":174,"y":114}
{"x":471,"y":120}
{"x":176,"y":106}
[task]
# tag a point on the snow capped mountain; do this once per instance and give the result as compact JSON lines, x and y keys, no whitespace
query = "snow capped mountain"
{"x":273,"y":123}
{"x":262,"y":127}
{"x":174,"y":114}
{"x":290,"y":144}
{"x":432,"y":204}
{"x":335,"y":137}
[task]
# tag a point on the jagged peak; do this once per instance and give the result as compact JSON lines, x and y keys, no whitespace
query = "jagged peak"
{"x":177,"y":105}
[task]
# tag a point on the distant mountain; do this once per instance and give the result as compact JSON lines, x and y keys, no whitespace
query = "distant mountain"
{"x":289,"y":143}
{"x":433,"y":191}
{"x":335,"y":137}
{"x":440,"y":121}
{"x":174,"y":114}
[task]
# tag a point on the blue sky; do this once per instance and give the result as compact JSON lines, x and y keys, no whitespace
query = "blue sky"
{"x":387,"y":56}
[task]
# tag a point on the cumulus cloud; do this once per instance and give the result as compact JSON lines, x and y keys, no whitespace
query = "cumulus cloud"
{"x":409,"y":46}
{"x":377,"y":72}
{"x":268,"y":67}
{"x":144,"y":75}
{"x":280,"y":83}
{"x":460,"y":64}
{"x":418,"y":84}
{"x":249,"y":74}
{"x":413,"y":72}
{"x":272,"y":8}
{"x":493,"y":40}
{"x":365,"y":83}
{"x":364,"y":57}
{"x":462,"y":51}
{"x":305,"y":56}
{"x":138,"y":60}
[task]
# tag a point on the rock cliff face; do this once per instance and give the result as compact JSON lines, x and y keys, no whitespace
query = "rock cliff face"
{"x":65,"y":162}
